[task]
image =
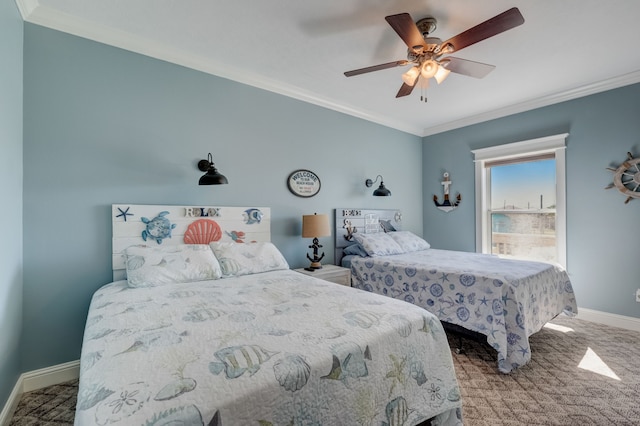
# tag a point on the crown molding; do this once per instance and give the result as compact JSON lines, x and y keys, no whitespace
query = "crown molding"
{"x":578,"y":92}
{"x":35,"y":13}
{"x":44,"y":16}
{"x":26,"y":7}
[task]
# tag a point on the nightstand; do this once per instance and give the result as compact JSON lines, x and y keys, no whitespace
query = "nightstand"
{"x":333,"y":273}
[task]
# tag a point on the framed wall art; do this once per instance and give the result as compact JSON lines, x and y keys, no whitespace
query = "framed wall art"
{"x":303,"y":183}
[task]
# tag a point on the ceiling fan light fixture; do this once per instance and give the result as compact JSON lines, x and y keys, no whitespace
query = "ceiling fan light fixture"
{"x":409,"y":77}
{"x":441,"y":74}
{"x":429,"y":68}
{"x":447,"y":48}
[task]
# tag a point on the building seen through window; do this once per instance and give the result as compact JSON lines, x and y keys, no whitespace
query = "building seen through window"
{"x":523,"y":216}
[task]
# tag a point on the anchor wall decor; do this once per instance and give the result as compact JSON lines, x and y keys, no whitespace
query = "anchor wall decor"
{"x":447,"y":205}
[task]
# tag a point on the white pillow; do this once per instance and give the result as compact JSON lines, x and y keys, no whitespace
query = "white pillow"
{"x":409,"y":241}
{"x":247,"y":258}
{"x":379,"y":244}
{"x":150,"y":266}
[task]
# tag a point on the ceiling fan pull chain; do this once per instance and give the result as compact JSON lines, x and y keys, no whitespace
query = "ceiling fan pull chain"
{"x":423,"y":97}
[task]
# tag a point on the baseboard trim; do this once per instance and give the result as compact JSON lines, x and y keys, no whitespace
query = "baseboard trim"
{"x":38,"y":379}
{"x":48,"y":376}
{"x":606,"y":318}
{"x":12,"y":404}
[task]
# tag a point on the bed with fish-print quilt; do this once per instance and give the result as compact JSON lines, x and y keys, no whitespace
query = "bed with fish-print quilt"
{"x":205,"y":324}
{"x":273,"y":348}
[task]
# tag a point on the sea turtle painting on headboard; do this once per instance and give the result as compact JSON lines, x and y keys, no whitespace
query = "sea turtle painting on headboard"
{"x":157,"y":228}
{"x":365,"y":221}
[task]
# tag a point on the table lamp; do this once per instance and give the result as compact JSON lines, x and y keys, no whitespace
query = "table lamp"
{"x":314,"y":226}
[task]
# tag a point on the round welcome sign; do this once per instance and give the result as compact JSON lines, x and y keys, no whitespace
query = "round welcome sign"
{"x":303,"y":183}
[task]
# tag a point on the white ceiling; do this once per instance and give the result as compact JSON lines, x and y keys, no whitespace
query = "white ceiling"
{"x":565,"y":49}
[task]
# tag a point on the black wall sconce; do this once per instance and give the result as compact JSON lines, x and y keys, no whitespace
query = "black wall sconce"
{"x":212,"y":177}
{"x":381,"y":191}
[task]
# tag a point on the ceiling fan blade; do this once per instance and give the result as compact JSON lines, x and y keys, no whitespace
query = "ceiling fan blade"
{"x":405,"y":90}
{"x":467,"y":67}
{"x":403,"y":24}
{"x":489,"y":28}
{"x":376,"y":68}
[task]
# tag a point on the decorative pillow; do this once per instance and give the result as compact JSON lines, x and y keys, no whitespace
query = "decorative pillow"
{"x":408,"y":241}
{"x":154,"y":266}
{"x":355,"y":249}
{"x":248,"y":258}
{"x":380,"y":244}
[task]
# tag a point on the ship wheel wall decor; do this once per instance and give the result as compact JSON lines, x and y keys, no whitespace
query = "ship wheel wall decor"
{"x":626,"y":178}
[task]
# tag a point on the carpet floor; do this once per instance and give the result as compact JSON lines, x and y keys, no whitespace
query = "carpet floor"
{"x":581,"y":373}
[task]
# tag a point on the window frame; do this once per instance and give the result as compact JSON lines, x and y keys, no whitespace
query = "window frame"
{"x":555,"y":145}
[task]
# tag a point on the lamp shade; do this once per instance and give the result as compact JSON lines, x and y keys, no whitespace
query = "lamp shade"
{"x":315,"y":225}
{"x":429,"y":68}
{"x":212,"y":177}
{"x":382,"y":191}
{"x":409,"y":77}
{"x":441,"y":74}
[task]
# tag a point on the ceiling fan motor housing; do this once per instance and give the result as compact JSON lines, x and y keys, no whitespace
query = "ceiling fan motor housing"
{"x":426,"y":26}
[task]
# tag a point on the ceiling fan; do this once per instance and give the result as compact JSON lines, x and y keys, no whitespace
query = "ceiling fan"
{"x":427,"y":54}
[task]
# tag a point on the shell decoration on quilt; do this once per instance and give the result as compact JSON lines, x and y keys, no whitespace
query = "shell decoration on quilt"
{"x":158,"y":228}
{"x":176,"y":388}
{"x":397,"y":412}
{"x":292,"y":372}
{"x":202,"y":231}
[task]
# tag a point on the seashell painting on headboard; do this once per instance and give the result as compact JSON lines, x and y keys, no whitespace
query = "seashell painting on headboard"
{"x":202,"y":231}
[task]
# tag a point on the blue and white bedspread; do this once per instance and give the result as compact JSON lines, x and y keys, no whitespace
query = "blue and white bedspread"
{"x":505,"y":300}
{"x":275,"y":348}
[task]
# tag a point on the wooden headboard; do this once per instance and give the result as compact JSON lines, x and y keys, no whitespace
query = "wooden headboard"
{"x":171,"y":225}
{"x":364,"y":221}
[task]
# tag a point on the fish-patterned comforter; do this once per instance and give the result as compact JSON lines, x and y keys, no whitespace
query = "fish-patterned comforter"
{"x":506,"y":300}
{"x":275,"y":348}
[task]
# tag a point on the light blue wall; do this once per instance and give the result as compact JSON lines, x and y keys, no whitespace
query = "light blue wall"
{"x":11,"y":29}
{"x":602,"y":232}
{"x":105,"y":126}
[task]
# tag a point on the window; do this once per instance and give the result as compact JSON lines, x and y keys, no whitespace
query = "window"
{"x":520,"y":200}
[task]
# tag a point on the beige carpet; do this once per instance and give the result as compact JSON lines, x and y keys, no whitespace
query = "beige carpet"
{"x":558,"y":387}
{"x":553,"y":389}
{"x":54,"y":405}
